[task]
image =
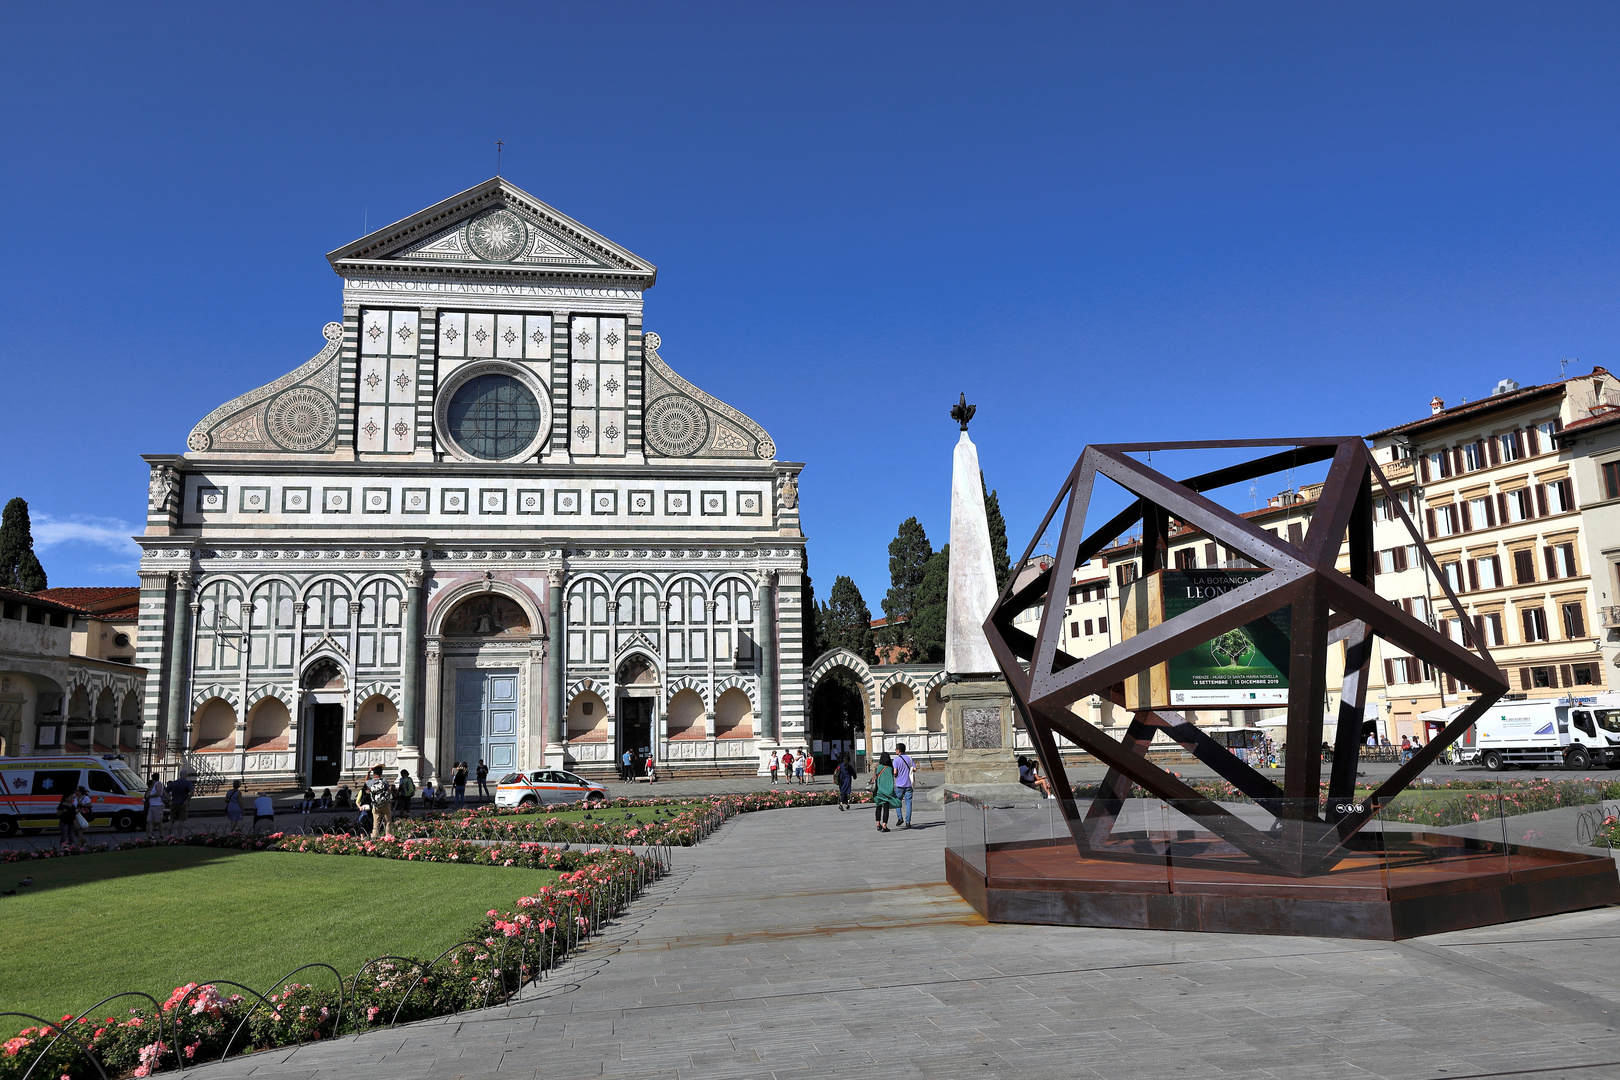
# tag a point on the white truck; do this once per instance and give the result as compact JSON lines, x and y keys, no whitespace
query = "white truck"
{"x":1575,"y":733}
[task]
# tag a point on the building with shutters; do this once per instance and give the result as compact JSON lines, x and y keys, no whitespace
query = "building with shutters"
{"x":486,"y":521}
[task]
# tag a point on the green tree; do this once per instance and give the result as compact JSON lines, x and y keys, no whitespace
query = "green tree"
{"x":19,"y":568}
{"x":846,"y":621}
{"x":998,"y":534}
{"x":814,"y":637}
{"x":933,"y":605}
{"x":909,"y":553}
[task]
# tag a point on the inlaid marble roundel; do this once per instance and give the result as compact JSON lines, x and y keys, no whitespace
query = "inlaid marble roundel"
{"x":302,"y":418}
{"x":498,"y":236}
{"x":676,"y":426}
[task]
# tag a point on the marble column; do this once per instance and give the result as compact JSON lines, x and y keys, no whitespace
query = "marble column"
{"x":557,"y":651}
{"x":179,"y":658}
{"x":410,"y":646}
{"x":765,"y":619}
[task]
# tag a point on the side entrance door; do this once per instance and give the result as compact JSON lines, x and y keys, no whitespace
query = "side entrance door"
{"x":635,"y":732}
{"x":487,"y":720}
{"x":325,"y":744}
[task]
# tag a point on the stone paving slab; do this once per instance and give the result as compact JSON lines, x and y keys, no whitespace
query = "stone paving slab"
{"x":802,"y":943}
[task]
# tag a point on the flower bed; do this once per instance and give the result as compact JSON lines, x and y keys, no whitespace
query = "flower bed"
{"x":503,"y":952}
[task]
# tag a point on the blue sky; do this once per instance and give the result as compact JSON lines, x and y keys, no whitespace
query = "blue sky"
{"x":1103,"y":222}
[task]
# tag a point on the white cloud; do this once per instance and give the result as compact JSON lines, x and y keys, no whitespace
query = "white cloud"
{"x":109,"y":533}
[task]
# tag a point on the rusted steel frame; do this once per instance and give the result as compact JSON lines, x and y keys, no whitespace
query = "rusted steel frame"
{"x":1397,"y":781}
{"x":1230,"y":444}
{"x":1217,"y":521}
{"x":1116,"y":786}
{"x":1337,"y":505}
{"x":1358,"y":648}
{"x":1428,"y":558}
{"x":1242,"y":605}
{"x":1394,"y":625}
{"x":1050,"y":629}
{"x":1215,"y":817}
{"x":1234,"y":770}
{"x":1040,"y":530}
{"x":1307,"y":692}
{"x":1056,"y":775}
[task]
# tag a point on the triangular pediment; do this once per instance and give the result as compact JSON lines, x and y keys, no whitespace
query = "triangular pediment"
{"x":497,"y":230}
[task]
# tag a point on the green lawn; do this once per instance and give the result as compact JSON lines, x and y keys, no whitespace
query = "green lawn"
{"x":153,"y":920}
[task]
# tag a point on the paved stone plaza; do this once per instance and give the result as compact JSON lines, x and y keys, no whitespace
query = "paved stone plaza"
{"x":803,"y":943}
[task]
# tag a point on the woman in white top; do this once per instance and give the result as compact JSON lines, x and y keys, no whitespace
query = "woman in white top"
{"x":154,"y":806}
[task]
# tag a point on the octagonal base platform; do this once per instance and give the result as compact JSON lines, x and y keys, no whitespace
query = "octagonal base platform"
{"x":1374,"y":894}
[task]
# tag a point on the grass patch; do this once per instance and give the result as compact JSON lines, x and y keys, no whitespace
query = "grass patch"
{"x":153,"y":920}
{"x":616,"y":814}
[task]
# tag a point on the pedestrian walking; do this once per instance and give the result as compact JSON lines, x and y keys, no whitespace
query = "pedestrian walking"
{"x":264,"y":810}
{"x":66,"y":810}
{"x":883,"y":796}
{"x":810,"y":768}
{"x":903,"y":767}
{"x":844,"y":777}
{"x":776,"y":763}
{"x":157,"y":796}
{"x":787,"y":766}
{"x":624,"y":766}
{"x":652,"y":769}
{"x":798,"y":768}
{"x":404,"y":788}
{"x":483,"y":776}
{"x":458,"y":780}
{"x":233,"y":805}
{"x":180,"y":790}
{"x":378,"y":794}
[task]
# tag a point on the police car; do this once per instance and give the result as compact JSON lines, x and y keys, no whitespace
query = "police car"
{"x":546,"y":786}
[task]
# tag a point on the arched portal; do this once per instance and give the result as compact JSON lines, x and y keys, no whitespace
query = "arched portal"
{"x":841,"y":693}
{"x":637,"y":682}
{"x":321,"y":732}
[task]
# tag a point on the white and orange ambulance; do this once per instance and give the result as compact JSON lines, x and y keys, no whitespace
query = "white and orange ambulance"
{"x":33,"y":786}
{"x":546,"y":786}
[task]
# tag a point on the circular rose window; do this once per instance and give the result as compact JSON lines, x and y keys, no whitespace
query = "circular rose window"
{"x":494,"y":417}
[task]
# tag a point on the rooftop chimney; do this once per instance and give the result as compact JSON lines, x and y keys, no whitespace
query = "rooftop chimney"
{"x":1436,"y":406}
{"x":1506,"y":386}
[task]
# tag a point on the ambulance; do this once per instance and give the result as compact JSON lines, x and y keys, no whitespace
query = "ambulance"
{"x":546,"y":786}
{"x":33,"y":786}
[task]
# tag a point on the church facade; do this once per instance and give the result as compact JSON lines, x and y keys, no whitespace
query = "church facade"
{"x":485,"y":522}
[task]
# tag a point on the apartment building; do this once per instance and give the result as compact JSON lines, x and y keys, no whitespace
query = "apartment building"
{"x":1593,"y":446}
{"x":1492,"y":486}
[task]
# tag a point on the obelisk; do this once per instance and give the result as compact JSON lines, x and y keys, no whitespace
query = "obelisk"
{"x":978,"y":708}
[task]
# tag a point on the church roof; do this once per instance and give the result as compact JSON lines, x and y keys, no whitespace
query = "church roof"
{"x":494,"y":231}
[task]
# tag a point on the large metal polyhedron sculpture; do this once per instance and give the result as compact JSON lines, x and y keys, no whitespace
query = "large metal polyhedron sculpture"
{"x":1328,"y":606}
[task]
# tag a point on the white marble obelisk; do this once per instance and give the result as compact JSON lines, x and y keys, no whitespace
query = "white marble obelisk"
{"x":973,"y":573}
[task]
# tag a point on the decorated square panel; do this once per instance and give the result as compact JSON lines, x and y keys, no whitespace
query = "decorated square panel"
{"x":416,"y":500}
{"x":375,"y":500}
{"x":370,"y":429}
{"x":582,"y":337}
{"x":750,"y":504}
{"x":453,"y":333}
{"x":537,"y":337}
{"x":453,"y":501}
{"x":492,"y":500}
{"x":582,"y":431}
{"x":401,"y":429}
{"x":402,"y":380}
{"x":610,"y":386}
{"x":295,"y":500}
{"x":509,"y":336}
{"x":604,"y":502}
{"x":678,"y":503}
{"x":402,"y":334}
{"x":640,"y":502}
{"x":582,"y":386}
{"x":255,"y":500}
{"x":480,"y":334}
{"x":335,"y":500}
{"x":611,"y":347}
{"x":713,"y":503}
{"x":373,"y":379}
{"x":374,"y":327}
{"x":566,"y":500}
{"x":610,"y":432}
{"x":531,"y":501}
{"x":211,"y":499}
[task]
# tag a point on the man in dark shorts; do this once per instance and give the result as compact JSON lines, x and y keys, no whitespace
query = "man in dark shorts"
{"x":180,"y":790}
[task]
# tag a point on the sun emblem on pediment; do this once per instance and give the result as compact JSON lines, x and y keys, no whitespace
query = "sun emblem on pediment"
{"x":498,"y":236}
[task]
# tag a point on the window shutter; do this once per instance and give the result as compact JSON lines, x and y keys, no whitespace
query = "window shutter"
{"x":1550,"y":559}
{"x":1524,"y":678}
{"x":1490,"y":512}
{"x":1532,"y":441}
{"x":1577,"y":621}
{"x":1467,"y":519}
{"x":1478,"y":632}
{"x":1541,"y":500}
{"x":1494,"y":451}
{"x":1430,"y":516}
{"x":1457,"y":462}
{"x":1423,"y":467}
{"x":1473,"y":576}
{"x":1209,"y":555}
{"x":1378,"y":561}
{"x":1496,"y":565}
{"x":1565,"y":675}
{"x":1389,"y":672}
{"x":1501,"y":507}
{"x":1296,"y":533}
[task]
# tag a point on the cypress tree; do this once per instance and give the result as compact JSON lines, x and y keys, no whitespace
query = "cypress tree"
{"x":19,"y":567}
{"x":933,"y":600}
{"x":998,"y":534}
{"x":847,"y":621}
{"x":909,"y":553}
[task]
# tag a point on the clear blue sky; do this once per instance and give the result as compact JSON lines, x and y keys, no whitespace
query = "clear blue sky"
{"x":1104,"y":222}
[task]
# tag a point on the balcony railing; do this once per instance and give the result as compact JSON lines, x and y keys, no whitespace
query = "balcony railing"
{"x":1610,"y":617}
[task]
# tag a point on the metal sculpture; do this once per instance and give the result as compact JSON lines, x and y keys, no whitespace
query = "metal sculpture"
{"x":1328,"y":606}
